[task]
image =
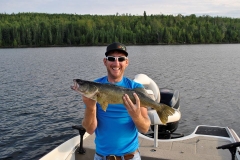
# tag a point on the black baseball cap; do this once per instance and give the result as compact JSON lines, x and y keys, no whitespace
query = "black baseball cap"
{"x":116,"y":47}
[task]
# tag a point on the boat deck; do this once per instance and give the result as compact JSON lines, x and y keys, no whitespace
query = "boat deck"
{"x":201,"y":144}
{"x":199,"y":147}
{"x":195,"y":148}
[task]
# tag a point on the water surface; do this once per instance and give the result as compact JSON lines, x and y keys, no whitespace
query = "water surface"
{"x":38,"y":107}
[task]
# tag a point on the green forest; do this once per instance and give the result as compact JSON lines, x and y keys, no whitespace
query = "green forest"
{"x":42,"y":29}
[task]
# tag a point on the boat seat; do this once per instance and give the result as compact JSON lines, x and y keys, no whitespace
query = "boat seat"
{"x":150,"y":94}
{"x":150,"y":86}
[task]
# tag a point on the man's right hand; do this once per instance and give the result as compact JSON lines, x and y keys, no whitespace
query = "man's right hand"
{"x":89,"y":102}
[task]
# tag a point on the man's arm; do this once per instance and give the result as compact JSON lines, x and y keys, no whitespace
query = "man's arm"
{"x":89,"y":121}
{"x":139,"y":114}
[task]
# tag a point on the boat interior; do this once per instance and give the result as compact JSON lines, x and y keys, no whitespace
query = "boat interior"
{"x":161,"y":142}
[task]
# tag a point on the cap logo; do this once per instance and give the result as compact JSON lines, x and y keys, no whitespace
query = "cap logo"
{"x":122,"y":47}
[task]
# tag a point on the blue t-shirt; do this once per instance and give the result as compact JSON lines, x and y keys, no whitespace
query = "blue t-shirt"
{"x":116,"y":133}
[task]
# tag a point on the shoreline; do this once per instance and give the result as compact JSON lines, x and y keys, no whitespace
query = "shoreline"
{"x":127,"y":44}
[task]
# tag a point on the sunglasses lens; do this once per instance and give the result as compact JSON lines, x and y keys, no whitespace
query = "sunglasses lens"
{"x":111,"y":59}
{"x":121,"y":59}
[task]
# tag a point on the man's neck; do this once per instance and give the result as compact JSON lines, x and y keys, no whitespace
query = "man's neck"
{"x":114,"y":80}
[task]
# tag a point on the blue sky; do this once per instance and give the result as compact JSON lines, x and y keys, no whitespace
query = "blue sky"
{"x":223,"y":8}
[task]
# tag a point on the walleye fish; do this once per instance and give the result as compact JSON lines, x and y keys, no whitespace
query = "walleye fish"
{"x":106,"y":94}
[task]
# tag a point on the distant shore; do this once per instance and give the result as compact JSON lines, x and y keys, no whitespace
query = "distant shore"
{"x":46,"y":46}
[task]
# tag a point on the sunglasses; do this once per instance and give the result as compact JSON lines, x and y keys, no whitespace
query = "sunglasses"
{"x":112,"y":59}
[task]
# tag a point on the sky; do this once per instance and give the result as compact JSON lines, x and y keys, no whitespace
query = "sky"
{"x":221,"y":8}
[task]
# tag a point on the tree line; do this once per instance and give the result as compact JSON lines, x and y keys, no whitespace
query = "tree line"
{"x":41,"y":29}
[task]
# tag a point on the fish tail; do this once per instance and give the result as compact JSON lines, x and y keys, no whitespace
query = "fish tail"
{"x":163,"y":112}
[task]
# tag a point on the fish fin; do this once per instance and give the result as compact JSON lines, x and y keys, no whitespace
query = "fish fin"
{"x":164,"y":112}
{"x":104,"y":105}
{"x":100,"y":99}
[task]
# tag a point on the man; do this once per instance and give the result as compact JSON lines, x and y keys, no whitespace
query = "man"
{"x":116,"y":129}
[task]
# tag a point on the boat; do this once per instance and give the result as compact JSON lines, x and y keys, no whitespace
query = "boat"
{"x":161,"y":142}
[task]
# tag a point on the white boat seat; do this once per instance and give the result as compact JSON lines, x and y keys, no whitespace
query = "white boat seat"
{"x":150,"y":94}
{"x":149,"y":85}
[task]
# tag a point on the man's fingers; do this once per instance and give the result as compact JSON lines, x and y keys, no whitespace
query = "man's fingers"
{"x":128,"y":100}
{"x":136,"y":98}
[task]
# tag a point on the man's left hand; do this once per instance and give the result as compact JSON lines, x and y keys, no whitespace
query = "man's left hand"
{"x":133,"y":109}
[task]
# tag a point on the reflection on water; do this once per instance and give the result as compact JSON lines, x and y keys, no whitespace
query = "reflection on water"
{"x":38,"y":107}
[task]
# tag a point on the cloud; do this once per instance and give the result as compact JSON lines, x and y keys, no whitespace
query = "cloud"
{"x":229,"y":8}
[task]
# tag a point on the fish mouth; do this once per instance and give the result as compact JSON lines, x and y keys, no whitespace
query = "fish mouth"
{"x":75,"y":87}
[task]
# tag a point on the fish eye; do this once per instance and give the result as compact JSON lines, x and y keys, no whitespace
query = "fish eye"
{"x":79,"y":81}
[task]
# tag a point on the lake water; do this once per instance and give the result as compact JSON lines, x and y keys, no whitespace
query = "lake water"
{"x":38,"y":108}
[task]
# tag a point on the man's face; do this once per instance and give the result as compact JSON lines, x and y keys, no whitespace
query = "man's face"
{"x":115,"y":68}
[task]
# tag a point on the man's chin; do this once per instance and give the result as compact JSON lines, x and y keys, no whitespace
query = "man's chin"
{"x":116,"y":75}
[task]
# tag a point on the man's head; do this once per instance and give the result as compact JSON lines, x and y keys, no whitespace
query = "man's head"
{"x":116,"y":61}
{"x":116,"y":47}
